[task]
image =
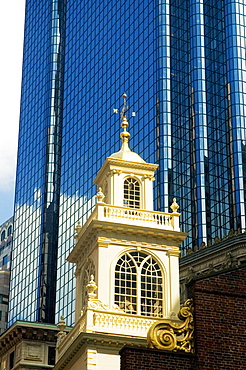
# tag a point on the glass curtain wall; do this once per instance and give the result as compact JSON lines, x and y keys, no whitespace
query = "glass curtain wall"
{"x":34,"y":257}
{"x":182,"y":65}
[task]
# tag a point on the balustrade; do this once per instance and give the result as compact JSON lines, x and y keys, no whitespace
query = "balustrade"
{"x":155,"y":219}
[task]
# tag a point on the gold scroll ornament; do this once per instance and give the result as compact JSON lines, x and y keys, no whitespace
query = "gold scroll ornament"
{"x":170,"y":336}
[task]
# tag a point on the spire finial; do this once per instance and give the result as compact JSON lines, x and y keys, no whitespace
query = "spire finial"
{"x":125,"y":135}
{"x":124,"y":123}
{"x":125,"y":107}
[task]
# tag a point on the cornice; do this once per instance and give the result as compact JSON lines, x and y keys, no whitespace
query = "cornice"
{"x":218,"y":245}
{"x":96,"y":340}
{"x":222,"y":256}
{"x":125,"y":166}
{"x":113,"y":232}
{"x":27,"y":331}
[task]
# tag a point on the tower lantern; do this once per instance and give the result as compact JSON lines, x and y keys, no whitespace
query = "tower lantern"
{"x":125,"y":178}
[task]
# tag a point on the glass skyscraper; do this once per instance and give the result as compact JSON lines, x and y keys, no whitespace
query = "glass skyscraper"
{"x":183,"y":67}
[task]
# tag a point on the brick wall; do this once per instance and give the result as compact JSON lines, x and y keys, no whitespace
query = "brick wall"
{"x":220,"y":320}
{"x":150,"y":359}
{"x":220,"y":329}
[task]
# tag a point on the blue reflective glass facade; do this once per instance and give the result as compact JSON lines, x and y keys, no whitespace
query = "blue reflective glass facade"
{"x":34,"y":256}
{"x":182,"y":63}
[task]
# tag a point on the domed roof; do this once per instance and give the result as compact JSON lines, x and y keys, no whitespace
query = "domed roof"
{"x":127,"y":155}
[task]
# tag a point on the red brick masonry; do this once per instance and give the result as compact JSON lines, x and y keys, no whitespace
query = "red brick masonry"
{"x":220,"y":329}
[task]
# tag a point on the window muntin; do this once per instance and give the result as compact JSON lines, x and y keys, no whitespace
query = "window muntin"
{"x":139,"y":285}
{"x":126,"y":284}
{"x":131,"y":193}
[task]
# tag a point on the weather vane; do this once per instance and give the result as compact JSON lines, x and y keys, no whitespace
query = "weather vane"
{"x":124,"y":109}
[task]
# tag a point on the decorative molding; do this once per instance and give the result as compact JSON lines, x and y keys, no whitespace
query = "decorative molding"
{"x":102,"y":243}
{"x":173,"y":252}
{"x":33,"y":352}
{"x":126,"y":243}
{"x":213,"y":267}
{"x":26,"y":331}
{"x":217,"y":240}
{"x":82,"y":324}
{"x":123,"y":321}
{"x":98,"y":319}
{"x":114,"y":172}
{"x":112,"y":164}
{"x":149,"y":177}
{"x":91,"y":339}
{"x":229,"y":254}
{"x":96,"y":304}
{"x":170,"y":336}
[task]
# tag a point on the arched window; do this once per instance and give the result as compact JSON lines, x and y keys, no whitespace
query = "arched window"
{"x":131,"y":193}
{"x":9,"y":230}
{"x":139,"y":285}
{"x":3,"y":235}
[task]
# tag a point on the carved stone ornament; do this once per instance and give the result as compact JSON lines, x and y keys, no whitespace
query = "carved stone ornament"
{"x":174,"y":206}
{"x":96,"y":304}
{"x":91,"y":288}
{"x":100,"y":196}
{"x":61,"y":334}
{"x":114,"y":172}
{"x":149,"y":177}
{"x":170,"y":336}
{"x":77,"y":229}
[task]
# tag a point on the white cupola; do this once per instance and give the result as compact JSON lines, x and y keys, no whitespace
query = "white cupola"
{"x":126,"y":254}
{"x":125,"y":178}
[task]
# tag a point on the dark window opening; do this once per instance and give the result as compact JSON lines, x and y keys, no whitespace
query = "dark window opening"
{"x":11,"y":360}
{"x":5,"y":259}
{"x":3,"y":235}
{"x":51,"y":355}
{"x":9,"y":230}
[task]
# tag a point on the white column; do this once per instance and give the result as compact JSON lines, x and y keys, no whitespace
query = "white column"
{"x":78,"y":304}
{"x":147,"y":193}
{"x":103,"y":273}
{"x":174,"y":280}
{"x":115,"y":189}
